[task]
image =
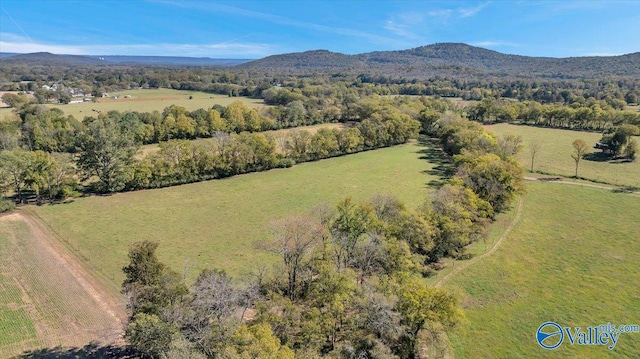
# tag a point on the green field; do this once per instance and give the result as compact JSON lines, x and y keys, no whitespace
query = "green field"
{"x":572,"y":258}
{"x":16,"y":326}
{"x":45,"y":301}
{"x":216,"y":223}
{"x":554,"y":156}
{"x":152,"y":100}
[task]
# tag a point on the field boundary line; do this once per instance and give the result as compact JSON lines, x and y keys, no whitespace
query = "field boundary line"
{"x":493,"y":249}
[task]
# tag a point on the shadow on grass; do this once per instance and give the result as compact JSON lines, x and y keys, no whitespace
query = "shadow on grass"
{"x":91,"y":350}
{"x":597,"y":157}
{"x":605,"y":157}
{"x":443,"y":167}
{"x":627,"y":189}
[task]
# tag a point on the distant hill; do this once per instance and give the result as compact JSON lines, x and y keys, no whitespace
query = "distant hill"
{"x":453,"y":60}
{"x":308,"y":60}
{"x":172,"y":60}
{"x":457,"y":60}
{"x":49,"y":58}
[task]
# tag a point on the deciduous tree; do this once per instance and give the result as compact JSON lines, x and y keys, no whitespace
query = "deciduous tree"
{"x":106,"y":152}
{"x":580,"y":148}
{"x":295,"y":238}
{"x":534,"y":148}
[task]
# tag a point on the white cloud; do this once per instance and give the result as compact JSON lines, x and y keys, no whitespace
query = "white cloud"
{"x":15,"y":43}
{"x":399,"y":29}
{"x":468,"y":12}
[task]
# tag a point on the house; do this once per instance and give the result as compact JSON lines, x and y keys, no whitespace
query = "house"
{"x":601,"y":146}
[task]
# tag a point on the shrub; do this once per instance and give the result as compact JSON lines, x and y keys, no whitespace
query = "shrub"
{"x":6,"y":205}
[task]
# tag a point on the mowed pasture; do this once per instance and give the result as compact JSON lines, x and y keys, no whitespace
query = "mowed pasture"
{"x":554,"y":156}
{"x":149,"y":100}
{"x":46,"y":300}
{"x":216,"y":224}
{"x":572,"y":258}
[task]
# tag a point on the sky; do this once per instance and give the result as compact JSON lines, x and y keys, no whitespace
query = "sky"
{"x":255,"y":29}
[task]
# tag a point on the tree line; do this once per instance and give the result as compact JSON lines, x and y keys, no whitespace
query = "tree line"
{"x":588,"y":115}
{"x":105,"y":149}
{"x":39,"y":128}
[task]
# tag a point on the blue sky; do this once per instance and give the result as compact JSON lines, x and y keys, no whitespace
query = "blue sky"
{"x":254,"y":29}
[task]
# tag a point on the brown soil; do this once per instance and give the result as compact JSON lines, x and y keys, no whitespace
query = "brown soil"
{"x":68,"y":306}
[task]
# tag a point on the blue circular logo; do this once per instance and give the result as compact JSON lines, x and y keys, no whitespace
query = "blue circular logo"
{"x":549,"y":335}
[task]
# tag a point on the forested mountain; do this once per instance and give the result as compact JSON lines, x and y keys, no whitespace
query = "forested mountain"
{"x":308,"y":60}
{"x":444,"y":59}
{"x":456,"y":59}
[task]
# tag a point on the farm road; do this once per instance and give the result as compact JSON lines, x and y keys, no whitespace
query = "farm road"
{"x":582,"y":184}
{"x":504,"y":235}
{"x":67,"y":306}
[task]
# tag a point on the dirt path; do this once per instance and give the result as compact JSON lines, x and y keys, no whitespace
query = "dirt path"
{"x":495,"y":247}
{"x":582,"y":184}
{"x":66,"y":304}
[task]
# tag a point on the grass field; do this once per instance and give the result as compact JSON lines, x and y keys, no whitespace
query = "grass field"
{"x":216,"y":223}
{"x":151,"y":100}
{"x":43,"y":303}
{"x":555,"y":155}
{"x":15,"y":325}
{"x":572,"y":258}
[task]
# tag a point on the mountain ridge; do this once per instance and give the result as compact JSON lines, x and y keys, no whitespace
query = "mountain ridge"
{"x":449,"y":58}
{"x":446,"y":59}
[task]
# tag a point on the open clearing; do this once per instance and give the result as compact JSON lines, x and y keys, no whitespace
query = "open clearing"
{"x":554,"y":156}
{"x":216,"y":223}
{"x":150,"y":100}
{"x":571,"y":258}
{"x":46,"y":298}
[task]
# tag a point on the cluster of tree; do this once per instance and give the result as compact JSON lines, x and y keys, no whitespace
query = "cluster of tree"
{"x":590,"y":114}
{"x":620,"y":142}
{"x":485,"y":164}
{"x":45,"y":175}
{"x":348,"y":284}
